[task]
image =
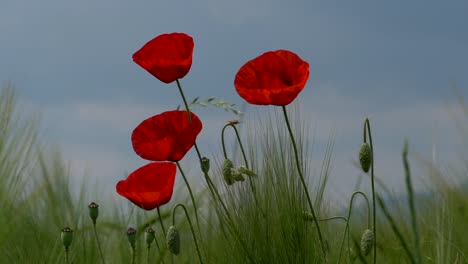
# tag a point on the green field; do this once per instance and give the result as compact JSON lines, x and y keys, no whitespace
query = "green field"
{"x":264,"y":219}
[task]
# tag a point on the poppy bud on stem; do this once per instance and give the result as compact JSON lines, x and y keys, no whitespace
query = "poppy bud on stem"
{"x":93,"y":214}
{"x":173,"y":239}
{"x":67,"y":238}
{"x":350,"y":209}
{"x":364,"y":157}
{"x":131,"y":236}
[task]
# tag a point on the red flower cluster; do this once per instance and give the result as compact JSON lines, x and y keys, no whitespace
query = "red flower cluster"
{"x":273,"y":78}
{"x":163,"y":138}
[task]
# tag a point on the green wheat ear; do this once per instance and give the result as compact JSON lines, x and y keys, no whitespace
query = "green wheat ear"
{"x":367,"y":241}
{"x":173,"y":240}
{"x":365,"y":157}
{"x":227,"y":171}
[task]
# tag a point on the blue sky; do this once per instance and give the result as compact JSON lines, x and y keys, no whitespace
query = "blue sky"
{"x":397,"y":62}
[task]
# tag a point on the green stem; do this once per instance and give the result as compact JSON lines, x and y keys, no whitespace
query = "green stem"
{"x":99,"y":243}
{"x":214,"y":192}
{"x":349,"y":218}
{"x":304,"y":185}
{"x":148,"y":255}
{"x":161,"y":258}
{"x":161,"y":220}
{"x":191,"y":227}
{"x":191,"y":195}
{"x":66,"y":255}
{"x":133,"y":255}
{"x":374,"y":228}
{"x":251,"y":183}
{"x":185,"y":102}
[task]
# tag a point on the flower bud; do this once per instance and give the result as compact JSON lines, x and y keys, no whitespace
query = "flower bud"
{"x":236,"y":175}
{"x":93,"y":211}
{"x":205,"y":164}
{"x":149,"y":236}
{"x":227,"y":172}
{"x":67,"y":237}
{"x":131,"y":235}
{"x":365,"y":157}
{"x":173,"y":240}
{"x":367,"y":241}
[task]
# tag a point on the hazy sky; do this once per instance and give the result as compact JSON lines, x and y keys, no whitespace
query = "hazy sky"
{"x":398,"y":62}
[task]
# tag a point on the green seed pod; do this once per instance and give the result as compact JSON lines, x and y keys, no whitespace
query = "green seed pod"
{"x":205,"y":164}
{"x":244,"y":170}
{"x":149,"y":236}
{"x":67,"y":237}
{"x":131,"y":235}
{"x":236,"y":175}
{"x":365,"y":157}
{"x":367,"y":241}
{"x":227,"y":172}
{"x":93,"y":211}
{"x":173,"y":240}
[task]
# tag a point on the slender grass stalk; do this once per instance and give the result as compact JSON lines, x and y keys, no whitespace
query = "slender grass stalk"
{"x":191,"y":228}
{"x":304,"y":185}
{"x":191,"y":196}
{"x":411,"y":203}
{"x":374,"y":227}
{"x":396,"y":230}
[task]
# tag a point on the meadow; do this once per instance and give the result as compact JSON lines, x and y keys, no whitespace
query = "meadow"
{"x":262,"y":202}
{"x":258,"y":219}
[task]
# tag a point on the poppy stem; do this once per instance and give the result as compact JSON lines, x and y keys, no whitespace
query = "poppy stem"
{"x":304,"y":185}
{"x":99,"y":243}
{"x":251,"y":183}
{"x":160,"y":258}
{"x":161,"y":220}
{"x":214,"y":192}
{"x":367,"y":125}
{"x":185,"y":101}
{"x":349,"y":219}
{"x":238,"y":140}
{"x":66,"y":255}
{"x":191,"y":227}
{"x":191,"y":195}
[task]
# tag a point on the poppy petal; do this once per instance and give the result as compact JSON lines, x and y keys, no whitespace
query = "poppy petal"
{"x":167,"y":136}
{"x":167,"y":57}
{"x":149,"y":186}
{"x":273,"y":78}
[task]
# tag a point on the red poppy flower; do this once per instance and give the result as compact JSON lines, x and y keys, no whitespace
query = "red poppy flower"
{"x":149,"y":186}
{"x":167,"y":57}
{"x":167,"y":136}
{"x":273,"y":78}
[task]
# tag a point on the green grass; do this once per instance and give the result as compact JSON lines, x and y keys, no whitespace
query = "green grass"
{"x":263,"y":223}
